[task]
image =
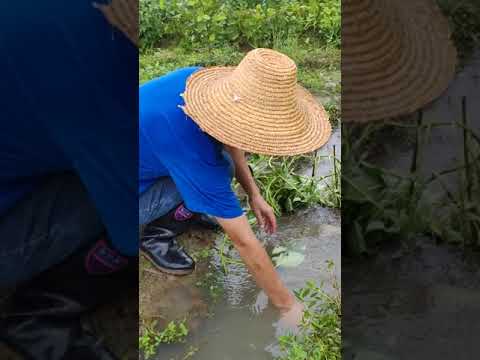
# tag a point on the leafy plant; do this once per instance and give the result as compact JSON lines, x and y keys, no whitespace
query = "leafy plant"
{"x":382,"y":205}
{"x":284,"y":189}
{"x":151,"y":338}
{"x":320,"y":331}
{"x":212,"y":23}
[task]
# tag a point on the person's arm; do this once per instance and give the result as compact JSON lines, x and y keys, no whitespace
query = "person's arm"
{"x":263,"y":212}
{"x":258,"y":262}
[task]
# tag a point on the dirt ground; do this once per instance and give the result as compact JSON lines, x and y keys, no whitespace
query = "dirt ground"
{"x":163,"y":298}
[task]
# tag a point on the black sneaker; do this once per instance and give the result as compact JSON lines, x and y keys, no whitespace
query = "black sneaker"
{"x":181,"y":219}
{"x":160,"y":247}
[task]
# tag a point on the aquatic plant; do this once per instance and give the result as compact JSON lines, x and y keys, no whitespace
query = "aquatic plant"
{"x":285,"y":257}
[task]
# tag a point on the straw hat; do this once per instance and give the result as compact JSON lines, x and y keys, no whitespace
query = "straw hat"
{"x":123,"y":14}
{"x":257,"y":106}
{"x":397,"y":57}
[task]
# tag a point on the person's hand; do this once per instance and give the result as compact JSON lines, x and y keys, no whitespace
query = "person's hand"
{"x":291,"y":319}
{"x":264,"y":214}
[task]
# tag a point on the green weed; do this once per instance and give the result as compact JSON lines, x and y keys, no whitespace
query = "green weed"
{"x":320,"y":330}
{"x":151,"y":338}
{"x":286,"y":190}
{"x":380,"y":205}
{"x":197,"y":24}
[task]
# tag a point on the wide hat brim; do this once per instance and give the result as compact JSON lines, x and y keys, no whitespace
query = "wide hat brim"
{"x":398,"y":58}
{"x":210,"y":100}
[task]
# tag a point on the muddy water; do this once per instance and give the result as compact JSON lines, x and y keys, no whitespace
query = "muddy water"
{"x":241,"y":324}
{"x":407,"y":305}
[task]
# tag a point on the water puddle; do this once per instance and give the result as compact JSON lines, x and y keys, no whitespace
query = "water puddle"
{"x":324,"y":159}
{"x":406,"y":305}
{"x":240,"y":324}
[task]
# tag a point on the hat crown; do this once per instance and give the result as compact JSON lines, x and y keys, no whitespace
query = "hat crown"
{"x":265,"y":77}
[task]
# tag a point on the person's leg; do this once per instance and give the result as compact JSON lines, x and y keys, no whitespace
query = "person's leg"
{"x":56,"y":240}
{"x":158,"y":243}
{"x":163,"y":216}
{"x":158,"y":200}
{"x":45,"y":228}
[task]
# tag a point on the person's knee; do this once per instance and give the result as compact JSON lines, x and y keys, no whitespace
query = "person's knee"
{"x":158,"y":200}
{"x":58,"y":219}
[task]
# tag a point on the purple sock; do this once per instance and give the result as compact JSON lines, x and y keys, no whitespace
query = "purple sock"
{"x":182,"y":213}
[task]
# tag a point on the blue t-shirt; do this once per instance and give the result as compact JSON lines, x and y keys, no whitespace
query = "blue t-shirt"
{"x":172,"y":144}
{"x":67,"y":103}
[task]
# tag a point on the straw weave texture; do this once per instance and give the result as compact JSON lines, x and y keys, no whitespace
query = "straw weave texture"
{"x":257,"y":106}
{"x":123,"y":14}
{"x":397,"y":57}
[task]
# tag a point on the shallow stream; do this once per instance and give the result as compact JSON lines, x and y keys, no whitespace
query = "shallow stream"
{"x":241,"y":323}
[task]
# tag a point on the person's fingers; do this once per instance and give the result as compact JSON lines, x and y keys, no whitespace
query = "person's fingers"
{"x":272,"y":221}
{"x":259,"y":217}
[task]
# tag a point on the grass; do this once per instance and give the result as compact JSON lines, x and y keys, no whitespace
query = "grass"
{"x":318,"y":68}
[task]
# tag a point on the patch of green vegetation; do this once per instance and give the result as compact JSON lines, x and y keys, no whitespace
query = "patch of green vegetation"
{"x":381,"y":205}
{"x":158,"y":62}
{"x":257,"y":23}
{"x":320,"y":331}
{"x":190,"y":353}
{"x":202,"y":254}
{"x":212,"y":284}
{"x":286,"y":190}
{"x":464,"y":18}
{"x":150,"y":339}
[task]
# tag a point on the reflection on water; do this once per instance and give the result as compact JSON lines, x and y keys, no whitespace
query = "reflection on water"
{"x":405,"y":305}
{"x":241,"y":326}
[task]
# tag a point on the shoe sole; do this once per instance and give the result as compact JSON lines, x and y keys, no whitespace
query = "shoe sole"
{"x":165,"y":270}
